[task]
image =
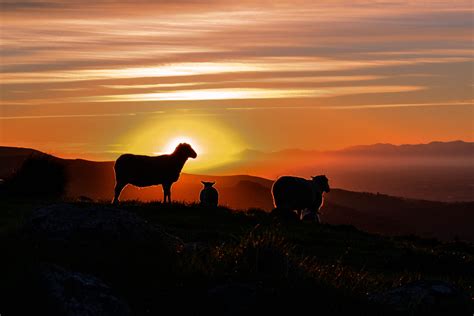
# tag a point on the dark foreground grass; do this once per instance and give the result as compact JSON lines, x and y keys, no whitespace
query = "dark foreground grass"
{"x":329,"y":269}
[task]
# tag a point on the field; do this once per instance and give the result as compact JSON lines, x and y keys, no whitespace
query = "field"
{"x":232,"y":262}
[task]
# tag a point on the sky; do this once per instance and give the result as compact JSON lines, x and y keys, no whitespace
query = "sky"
{"x":94,"y":79}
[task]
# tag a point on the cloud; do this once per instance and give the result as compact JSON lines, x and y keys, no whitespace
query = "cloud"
{"x":29,"y":117}
{"x":107,"y":51}
{"x":401,"y":105}
{"x":247,"y":93}
{"x":353,"y":107}
{"x":13,"y":5}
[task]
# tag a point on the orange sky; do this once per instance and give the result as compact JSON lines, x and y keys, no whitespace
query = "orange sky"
{"x":94,"y":79}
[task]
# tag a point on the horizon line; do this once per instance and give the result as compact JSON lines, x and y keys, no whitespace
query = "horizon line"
{"x":257,"y":150}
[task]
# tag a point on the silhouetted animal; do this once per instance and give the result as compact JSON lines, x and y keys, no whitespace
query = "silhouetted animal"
{"x":143,"y":171}
{"x":209,"y":195}
{"x":300,"y":195}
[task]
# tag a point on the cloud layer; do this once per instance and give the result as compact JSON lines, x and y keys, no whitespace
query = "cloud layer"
{"x":104,"y":59}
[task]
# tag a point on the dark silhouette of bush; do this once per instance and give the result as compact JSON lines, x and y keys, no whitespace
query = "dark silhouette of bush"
{"x":40,"y":176}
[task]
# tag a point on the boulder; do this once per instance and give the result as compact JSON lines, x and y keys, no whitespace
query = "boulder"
{"x":232,"y":299}
{"x":69,"y":293}
{"x":425,"y":298}
{"x":109,"y":242}
{"x":70,"y":223}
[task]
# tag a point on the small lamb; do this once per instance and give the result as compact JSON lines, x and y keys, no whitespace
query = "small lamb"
{"x":209,"y":195}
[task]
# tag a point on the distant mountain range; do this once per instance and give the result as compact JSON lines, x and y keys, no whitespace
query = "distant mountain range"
{"x":442,"y":171}
{"x":373,"y":212}
{"x":439,"y":171}
{"x":433,"y":149}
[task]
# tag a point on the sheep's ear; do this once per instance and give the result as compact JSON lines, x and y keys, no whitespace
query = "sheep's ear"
{"x":313,"y":177}
{"x":213,"y":182}
{"x":203,"y":182}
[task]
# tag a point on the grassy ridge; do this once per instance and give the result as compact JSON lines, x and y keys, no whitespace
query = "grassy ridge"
{"x":394,"y":259}
{"x":280,"y":261}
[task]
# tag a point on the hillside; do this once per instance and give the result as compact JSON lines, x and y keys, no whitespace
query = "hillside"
{"x":229,"y":262}
{"x":434,"y":149}
{"x":12,"y":157}
{"x":385,"y":214}
{"x":439,"y":171}
{"x":376,"y":213}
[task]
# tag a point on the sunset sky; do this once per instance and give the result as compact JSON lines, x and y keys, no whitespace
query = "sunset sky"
{"x":94,"y":79}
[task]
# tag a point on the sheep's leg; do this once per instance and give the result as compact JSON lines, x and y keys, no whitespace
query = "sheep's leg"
{"x":317,"y":218}
{"x":167,"y":192}
{"x":118,"y":189}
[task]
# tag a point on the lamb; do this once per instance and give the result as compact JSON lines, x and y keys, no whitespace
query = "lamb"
{"x":300,"y":195}
{"x":143,"y":171}
{"x":209,"y":195}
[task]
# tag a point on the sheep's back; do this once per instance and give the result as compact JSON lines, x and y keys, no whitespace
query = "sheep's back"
{"x":143,"y":170}
{"x":292,"y":192}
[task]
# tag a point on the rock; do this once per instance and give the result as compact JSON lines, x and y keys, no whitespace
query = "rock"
{"x":67,"y":223}
{"x":426,"y":298}
{"x":233,"y":298}
{"x":69,"y":293}
{"x":107,"y":241}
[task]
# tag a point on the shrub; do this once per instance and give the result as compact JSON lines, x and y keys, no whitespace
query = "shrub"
{"x":40,"y":176}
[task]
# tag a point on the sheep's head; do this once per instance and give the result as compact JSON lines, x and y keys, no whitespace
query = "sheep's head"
{"x":208,"y":184}
{"x":322,"y":182}
{"x":186,"y":150}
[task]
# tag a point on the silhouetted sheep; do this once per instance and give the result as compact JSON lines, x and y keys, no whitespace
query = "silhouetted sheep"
{"x":300,"y":195}
{"x":209,"y":195}
{"x":143,"y":171}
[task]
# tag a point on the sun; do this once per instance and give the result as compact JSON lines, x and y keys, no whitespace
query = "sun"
{"x":215,"y":144}
{"x":171,"y":145}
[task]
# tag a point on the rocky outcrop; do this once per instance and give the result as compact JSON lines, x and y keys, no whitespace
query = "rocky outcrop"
{"x":68,"y":223}
{"x":425,"y":298}
{"x":106,"y":241}
{"x":69,"y":293}
{"x":232,"y":299}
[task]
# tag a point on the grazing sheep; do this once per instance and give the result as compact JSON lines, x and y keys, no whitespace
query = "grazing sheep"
{"x":209,"y":195}
{"x":300,"y":195}
{"x":143,"y":171}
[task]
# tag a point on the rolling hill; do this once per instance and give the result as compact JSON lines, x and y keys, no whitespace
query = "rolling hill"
{"x":373,"y":212}
{"x":438,"y":171}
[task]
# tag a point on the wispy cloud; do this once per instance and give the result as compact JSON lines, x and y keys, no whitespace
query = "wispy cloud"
{"x":353,"y":107}
{"x":401,"y":105}
{"x":29,"y":117}
{"x":149,"y":86}
{"x":244,"y":93}
{"x":117,"y":58}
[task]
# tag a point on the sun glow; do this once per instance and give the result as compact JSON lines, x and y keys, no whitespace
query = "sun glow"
{"x":173,"y":143}
{"x":214,"y":143}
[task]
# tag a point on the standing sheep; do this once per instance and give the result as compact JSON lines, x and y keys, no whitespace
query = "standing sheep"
{"x":300,"y":195}
{"x":143,"y":171}
{"x":209,"y":195}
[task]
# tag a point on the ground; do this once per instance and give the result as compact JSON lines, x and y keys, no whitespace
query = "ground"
{"x":251,"y":253}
